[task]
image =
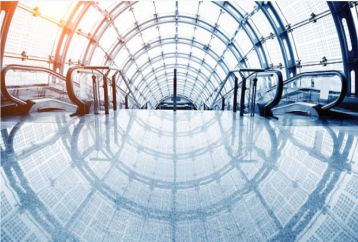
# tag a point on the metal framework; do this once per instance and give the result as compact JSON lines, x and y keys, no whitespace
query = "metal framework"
{"x":198,"y":83}
{"x":9,"y":10}
{"x":348,"y":41}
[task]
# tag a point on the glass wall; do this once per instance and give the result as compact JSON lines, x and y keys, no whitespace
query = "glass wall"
{"x":148,"y":40}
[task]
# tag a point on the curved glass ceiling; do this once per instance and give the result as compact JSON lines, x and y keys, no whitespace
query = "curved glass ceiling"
{"x":203,"y":40}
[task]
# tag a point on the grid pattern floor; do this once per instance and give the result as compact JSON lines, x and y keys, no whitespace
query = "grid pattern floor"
{"x":139,"y":175}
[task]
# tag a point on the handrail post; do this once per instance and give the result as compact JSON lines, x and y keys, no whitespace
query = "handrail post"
{"x":223,"y":104}
{"x":129,"y":89}
{"x":126,"y":102}
{"x":235,"y":94}
{"x":175,"y":91}
{"x":105,"y":92}
{"x":114,"y":92}
{"x":95,"y":98}
{"x":253,"y":97}
{"x":242,"y":98}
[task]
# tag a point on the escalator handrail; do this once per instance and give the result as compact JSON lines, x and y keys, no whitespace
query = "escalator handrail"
{"x":28,"y":68}
{"x":117,"y":71}
{"x":230,"y":73}
{"x":231,"y":91}
{"x":279,"y":87}
{"x":259,"y":73}
{"x":342,"y":77}
{"x":83,"y":106}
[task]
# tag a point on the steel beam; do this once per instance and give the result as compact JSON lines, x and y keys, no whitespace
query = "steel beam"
{"x":282,"y":36}
{"x":126,"y":102}
{"x":236,"y":86}
{"x":175,"y":91}
{"x":114,"y":93}
{"x":9,"y":10}
{"x":129,"y":88}
{"x":68,"y":31}
{"x":341,"y":13}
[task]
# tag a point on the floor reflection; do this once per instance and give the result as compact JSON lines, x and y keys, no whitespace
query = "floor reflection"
{"x":190,"y":176}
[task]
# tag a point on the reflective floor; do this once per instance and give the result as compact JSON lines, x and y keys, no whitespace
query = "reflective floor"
{"x":190,"y":176}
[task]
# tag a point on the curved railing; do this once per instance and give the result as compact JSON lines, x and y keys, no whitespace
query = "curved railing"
{"x":23,"y":104}
{"x":254,"y":74}
{"x":265,"y":107}
{"x":333,"y":103}
{"x":83,"y":107}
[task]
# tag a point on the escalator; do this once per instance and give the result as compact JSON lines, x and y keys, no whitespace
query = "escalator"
{"x":244,"y":92}
{"x":311,"y":93}
{"x":26,"y":89}
{"x":96,"y":88}
{"x":319,"y":93}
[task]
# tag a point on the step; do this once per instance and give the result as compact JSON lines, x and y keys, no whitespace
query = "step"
{"x":50,"y":104}
{"x":299,"y":107}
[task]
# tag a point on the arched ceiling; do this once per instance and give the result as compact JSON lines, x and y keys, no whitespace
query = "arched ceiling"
{"x":203,"y":40}
{"x":200,"y":40}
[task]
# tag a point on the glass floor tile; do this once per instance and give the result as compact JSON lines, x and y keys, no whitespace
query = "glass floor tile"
{"x":139,"y":175}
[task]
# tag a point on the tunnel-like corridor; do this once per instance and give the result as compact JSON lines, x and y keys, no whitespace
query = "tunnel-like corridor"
{"x":179,"y":121}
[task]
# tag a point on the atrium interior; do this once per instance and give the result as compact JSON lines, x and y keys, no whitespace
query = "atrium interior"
{"x":179,"y":120}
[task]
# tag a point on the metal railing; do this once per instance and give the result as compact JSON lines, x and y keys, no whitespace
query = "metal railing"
{"x":26,"y":68}
{"x":335,"y":102}
{"x":264,"y":108}
{"x":83,"y":107}
{"x":25,"y":105}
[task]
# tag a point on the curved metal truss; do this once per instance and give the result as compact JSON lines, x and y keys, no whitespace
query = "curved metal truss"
{"x":145,"y":77}
{"x":143,"y":38}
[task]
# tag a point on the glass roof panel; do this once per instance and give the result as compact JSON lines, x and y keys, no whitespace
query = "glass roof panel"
{"x":165,"y":8}
{"x":98,"y":57}
{"x":188,"y":9}
{"x":210,"y":61}
{"x":183,"y":61}
{"x":131,"y":70}
{"x":135,"y":44}
{"x":150,"y":35}
{"x":243,"y":40}
{"x":109,"y":38}
{"x":124,"y":22}
{"x":107,"y":4}
{"x":54,"y":9}
{"x":33,"y":35}
{"x":245,"y":6}
{"x":143,"y":11}
{"x":38,"y":35}
{"x":184,"y":48}
{"x":273,"y":51}
{"x":207,"y":10}
{"x":228,"y":24}
{"x":169,"y":48}
{"x":253,"y":59}
{"x":311,"y":47}
{"x":74,"y":52}
{"x":167,"y":29}
{"x":230,"y":59}
{"x":185,"y":30}
{"x":261,"y":23}
{"x":203,"y":36}
{"x":121,"y":57}
{"x":199,"y":53}
{"x":155,"y":52}
{"x":217,"y":45}
{"x":89,"y":20}
{"x":296,"y":11}
{"x":141,"y":60}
